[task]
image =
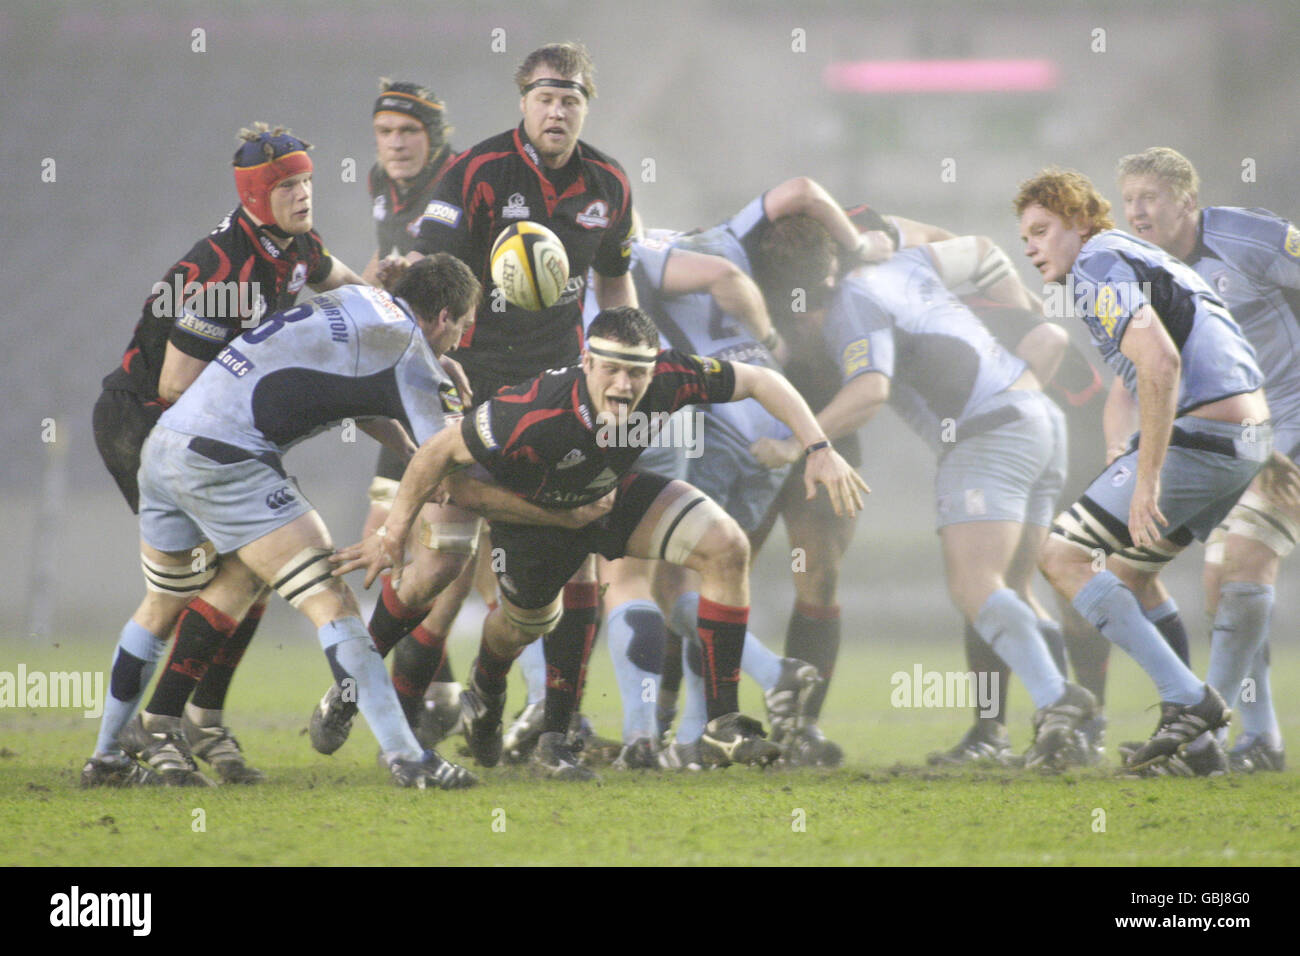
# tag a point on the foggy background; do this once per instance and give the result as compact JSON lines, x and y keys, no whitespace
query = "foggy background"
{"x":723,"y":98}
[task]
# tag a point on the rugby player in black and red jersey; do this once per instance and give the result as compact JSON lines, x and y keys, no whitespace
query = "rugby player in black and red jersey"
{"x":569,"y":437}
{"x":255,"y":262}
{"x":540,"y":171}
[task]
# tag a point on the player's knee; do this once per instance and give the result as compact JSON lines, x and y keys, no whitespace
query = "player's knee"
{"x":1058,"y":558}
{"x":725,"y":549}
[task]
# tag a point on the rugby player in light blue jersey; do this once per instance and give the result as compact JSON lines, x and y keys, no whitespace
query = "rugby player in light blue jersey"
{"x":211,"y":471}
{"x":897,"y":333}
{"x":1204,"y":435}
{"x":1251,"y":258}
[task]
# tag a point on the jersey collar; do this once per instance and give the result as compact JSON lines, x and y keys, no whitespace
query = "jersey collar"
{"x":533,"y":159}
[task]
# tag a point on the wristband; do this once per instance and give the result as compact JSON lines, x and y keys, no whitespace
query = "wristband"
{"x":817,"y":446}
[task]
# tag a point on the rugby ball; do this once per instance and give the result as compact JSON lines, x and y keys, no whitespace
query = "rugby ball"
{"x":529,"y":265}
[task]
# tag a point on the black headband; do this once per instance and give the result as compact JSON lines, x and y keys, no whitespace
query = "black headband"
{"x":561,"y":84}
{"x":428,"y":112}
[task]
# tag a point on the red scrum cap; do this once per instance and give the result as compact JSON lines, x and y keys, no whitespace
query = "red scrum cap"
{"x":265,"y":157}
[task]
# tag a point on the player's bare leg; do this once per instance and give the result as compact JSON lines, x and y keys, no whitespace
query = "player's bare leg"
{"x":688,"y":529}
{"x":977,"y":556}
{"x":159,"y":736}
{"x":1260,"y":531}
{"x":172,"y":579}
{"x":440,"y":551}
{"x":818,"y":541}
{"x":296,"y":558}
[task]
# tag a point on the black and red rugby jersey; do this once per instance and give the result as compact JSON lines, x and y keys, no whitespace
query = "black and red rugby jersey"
{"x":587,"y":203}
{"x":256,"y":278}
{"x":397,"y":214}
{"x":539,"y":439}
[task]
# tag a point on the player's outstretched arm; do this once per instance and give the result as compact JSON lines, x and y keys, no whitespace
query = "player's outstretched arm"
{"x":855,"y":404}
{"x":913,"y":233}
{"x":980,"y":262}
{"x":386,"y":548}
{"x":825,"y":466}
{"x":389,"y":433}
{"x":339,"y":275}
{"x":497,"y":504}
{"x":1152,"y":351}
{"x":611,"y":292}
{"x":735,"y":293}
{"x":806,"y":197}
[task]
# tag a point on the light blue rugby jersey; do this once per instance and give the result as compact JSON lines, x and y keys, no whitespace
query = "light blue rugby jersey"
{"x":694,"y":323}
{"x":1116,"y":274}
{"x":354,"y":352}
{"x":1251,"y":258}
{"x":897,"y":318}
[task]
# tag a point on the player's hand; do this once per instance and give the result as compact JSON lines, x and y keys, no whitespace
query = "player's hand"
{"x":458,"y":378}
{"x":382,"y":549}
{"x":389,"y":272}
{"x":582,"y":516}
{"x":845,"y":486}
{"x":1144,"y":516}
{"x":1117,"y":450}
{"x":1279,"y":481}
{"x":776,"y":452}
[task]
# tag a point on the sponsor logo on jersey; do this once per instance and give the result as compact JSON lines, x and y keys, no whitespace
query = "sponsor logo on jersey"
{"x":857,"y":355}
{"x":975,"y":502}
{"x":595,"y":216}
{"x":1107,"y":309}
{"x":574,"y":457}
{"x":380,"y":210}
{"x":1121,"y":475}
{"x":443,"y":212}
{"x":200,"y":327}
{"x":281,"y":498}
{"x":1222,"y":283}
{"x":711,"y":365}
{"x":1292,"y":244}
{"x":514,"y":207}
{"x":583,"y":412}
{"x":234,"y":361}
{"x":532,"y":154}
{"x":299,"y":277}
{"x":483,"y":424}
{"x":451,"y":401}
{"x":389,"y":310}
{"x":271,"y":248}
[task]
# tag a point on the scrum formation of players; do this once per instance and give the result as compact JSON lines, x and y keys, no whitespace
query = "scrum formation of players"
{"x":788,"y":326}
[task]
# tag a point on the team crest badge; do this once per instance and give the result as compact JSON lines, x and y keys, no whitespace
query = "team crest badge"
{"x":299,"y":277}
{"x":380,"y":210}
{"x":515,"y":208}
{"x":595,"y":216}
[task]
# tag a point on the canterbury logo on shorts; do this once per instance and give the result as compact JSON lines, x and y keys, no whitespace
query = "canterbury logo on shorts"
{"x":281,"y":498}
